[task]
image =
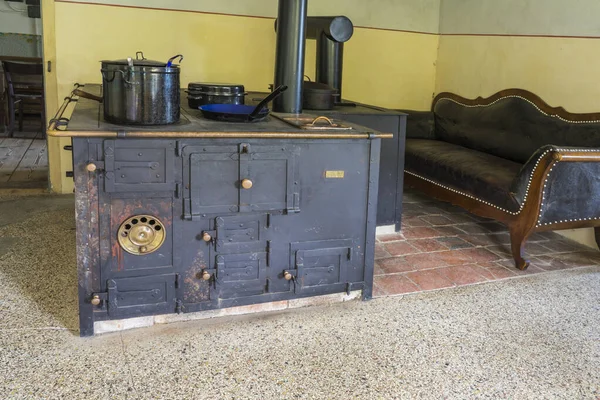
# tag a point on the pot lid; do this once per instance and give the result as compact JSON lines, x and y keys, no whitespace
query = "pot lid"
{"x":139,"y":61}
{"x":318,"y":87}
{"x":215,"y":88}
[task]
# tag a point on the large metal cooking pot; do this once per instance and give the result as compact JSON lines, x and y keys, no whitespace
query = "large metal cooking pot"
{"x":140,"y":91}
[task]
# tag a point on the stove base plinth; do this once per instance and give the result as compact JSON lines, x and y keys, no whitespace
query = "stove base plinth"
{"x":118,"y":325}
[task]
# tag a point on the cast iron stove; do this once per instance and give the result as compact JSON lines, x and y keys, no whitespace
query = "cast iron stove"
{"x":207,"y":215}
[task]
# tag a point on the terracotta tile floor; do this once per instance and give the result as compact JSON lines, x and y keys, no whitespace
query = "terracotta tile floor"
{"x":442,"y":246}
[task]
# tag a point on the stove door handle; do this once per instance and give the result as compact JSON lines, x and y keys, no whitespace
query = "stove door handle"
{"x":95,"y":166}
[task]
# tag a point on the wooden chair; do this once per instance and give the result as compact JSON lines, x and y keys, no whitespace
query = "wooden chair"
{"x":24,"y":93}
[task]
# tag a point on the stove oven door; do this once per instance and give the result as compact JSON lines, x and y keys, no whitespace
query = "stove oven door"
{"x":138,"y":165}
{"x":320,"y":267}
{"x":240,"y":275}
{"x":137,"y":280}
{"x":239,"y":255}
{"x":239,"y":178}
{"x":141,"y":295}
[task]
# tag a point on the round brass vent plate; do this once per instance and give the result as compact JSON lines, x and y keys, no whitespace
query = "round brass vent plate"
{"x":141,"y":234}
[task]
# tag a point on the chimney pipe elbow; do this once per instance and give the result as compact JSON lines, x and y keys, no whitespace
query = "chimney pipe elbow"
{"x":337,"y":28}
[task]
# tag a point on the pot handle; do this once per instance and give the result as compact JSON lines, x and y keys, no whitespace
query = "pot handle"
{"x":105,"y":78}
{"x":322,"y":118}
{"x":87,"y":95}
{"x":113,"y":76}
{"x":170,"y":62}
{"x":137,"y":55}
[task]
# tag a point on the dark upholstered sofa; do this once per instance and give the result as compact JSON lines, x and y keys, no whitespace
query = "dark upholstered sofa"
{"x":510,"y":157}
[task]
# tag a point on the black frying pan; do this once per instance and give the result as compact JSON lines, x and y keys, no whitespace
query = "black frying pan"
{"x":240,"y":112}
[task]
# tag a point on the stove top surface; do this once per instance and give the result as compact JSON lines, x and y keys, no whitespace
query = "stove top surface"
{"x":88,"y":117}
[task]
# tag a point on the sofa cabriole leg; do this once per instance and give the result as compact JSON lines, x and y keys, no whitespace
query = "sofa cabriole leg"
{"x":517,"y":241}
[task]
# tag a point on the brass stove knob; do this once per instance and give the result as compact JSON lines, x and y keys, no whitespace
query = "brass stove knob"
{"x":206,"y":237}
{"x":95,"y":300}
{"x":246,"y":183}
{"x":205,"y":275}
{"x":287,"y":276}
{"x":91,"y":167}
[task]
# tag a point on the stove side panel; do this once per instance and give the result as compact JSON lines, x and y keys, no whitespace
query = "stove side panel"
{"x":87,"y":237}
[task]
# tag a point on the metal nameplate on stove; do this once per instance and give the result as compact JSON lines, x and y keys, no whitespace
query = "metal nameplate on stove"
{"x":334,"y":174}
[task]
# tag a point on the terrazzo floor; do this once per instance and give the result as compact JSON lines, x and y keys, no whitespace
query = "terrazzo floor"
{"x":533,"y":337}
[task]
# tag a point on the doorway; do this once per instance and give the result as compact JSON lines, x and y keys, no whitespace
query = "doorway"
{"x":23,"y":145}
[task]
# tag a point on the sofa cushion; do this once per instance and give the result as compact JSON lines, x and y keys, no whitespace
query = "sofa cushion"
{"x":481,"y":175}
{"x":511,"y":128}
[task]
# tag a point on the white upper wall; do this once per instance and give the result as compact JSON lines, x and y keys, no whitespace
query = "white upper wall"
{"x":409,"y":15}
{"x":521,"y":17}
{"x":18,"y":22}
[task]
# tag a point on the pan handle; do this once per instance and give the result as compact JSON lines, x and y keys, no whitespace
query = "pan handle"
{"x":87,"y":95}
{"x":266,"y":100}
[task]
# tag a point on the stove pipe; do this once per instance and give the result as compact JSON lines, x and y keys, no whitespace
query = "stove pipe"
{"x":330,"y":33}
{"x":289,"y":54}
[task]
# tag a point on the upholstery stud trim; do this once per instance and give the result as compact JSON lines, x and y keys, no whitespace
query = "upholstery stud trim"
{"x":522,"y":98}
{"x":464,"y":194}
{"x":539,"y":223}
{"x":487,"y":202}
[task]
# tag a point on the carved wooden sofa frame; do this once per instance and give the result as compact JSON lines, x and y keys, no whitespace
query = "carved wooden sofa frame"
{"x":539,"y":209}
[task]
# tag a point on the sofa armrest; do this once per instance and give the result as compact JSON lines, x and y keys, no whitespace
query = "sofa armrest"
{"x":564,"y":180}
{"x":522,"y":182}
{"x":420,"y":124}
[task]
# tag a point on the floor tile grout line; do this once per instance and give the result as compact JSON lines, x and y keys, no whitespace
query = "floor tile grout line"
{"x":543,"y":272}
{"x":415,"y":283}
{"x":475,"y":264}
{"x":502,"y":255}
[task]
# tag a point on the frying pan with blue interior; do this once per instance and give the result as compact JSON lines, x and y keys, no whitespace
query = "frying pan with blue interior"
{"x":240,"y":112}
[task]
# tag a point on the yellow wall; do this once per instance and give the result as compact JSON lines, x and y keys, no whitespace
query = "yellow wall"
{"x":562,"y":71}
{"x":411,"y":15}
{"x":51,"y":100}
{"x":383,"y":67}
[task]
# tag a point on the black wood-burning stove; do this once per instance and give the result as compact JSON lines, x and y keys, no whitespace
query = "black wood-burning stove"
{"x":204,"y":214}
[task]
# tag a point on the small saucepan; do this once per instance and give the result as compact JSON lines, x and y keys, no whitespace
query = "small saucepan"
{"x":240,"y":112}
{"x":318,"y":96}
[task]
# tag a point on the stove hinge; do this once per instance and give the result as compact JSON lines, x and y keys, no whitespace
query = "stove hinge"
{"x":178,"y":190}
{"x":269,"y":251}
{"x":176,"y":281}
{"x":178,"y":148}
{"x":295,"y":205}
